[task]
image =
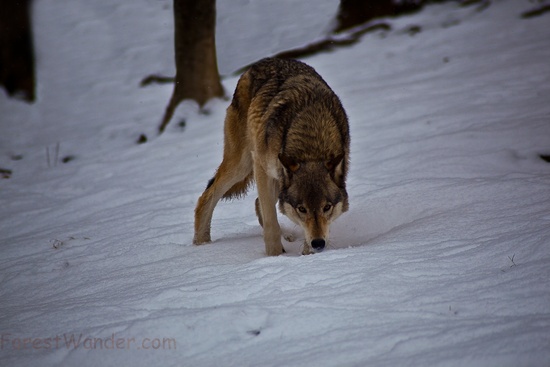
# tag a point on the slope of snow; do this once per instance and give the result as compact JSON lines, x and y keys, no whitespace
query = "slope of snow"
{"x":443,"y":258}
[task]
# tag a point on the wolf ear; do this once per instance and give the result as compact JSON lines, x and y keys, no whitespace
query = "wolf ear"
{"x":289,"y":163}
{"x":332,"y":164}
{"x":336,"y":168}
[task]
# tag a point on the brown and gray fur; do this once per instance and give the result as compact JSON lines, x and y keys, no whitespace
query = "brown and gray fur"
{"x":287,"y":130}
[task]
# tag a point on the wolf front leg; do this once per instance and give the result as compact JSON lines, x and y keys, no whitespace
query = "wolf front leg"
{"x":267,"y":196}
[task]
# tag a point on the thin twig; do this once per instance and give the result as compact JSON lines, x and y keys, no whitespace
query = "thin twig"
{"x":512,"y":260}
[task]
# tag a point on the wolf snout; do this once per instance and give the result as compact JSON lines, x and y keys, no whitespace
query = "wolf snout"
{"x":318,"y":244}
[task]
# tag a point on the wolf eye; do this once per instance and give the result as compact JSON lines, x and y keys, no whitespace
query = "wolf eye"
{"x":302,"y":209}
{"x":327,"y":207}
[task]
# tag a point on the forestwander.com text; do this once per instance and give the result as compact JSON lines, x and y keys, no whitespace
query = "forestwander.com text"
{"x":80,"y":341}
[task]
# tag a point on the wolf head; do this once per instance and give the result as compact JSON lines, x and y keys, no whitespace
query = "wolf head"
{"x":313,"y":194}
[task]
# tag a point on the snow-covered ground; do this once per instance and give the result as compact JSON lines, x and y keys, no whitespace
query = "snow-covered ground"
{"x":443,"y":258}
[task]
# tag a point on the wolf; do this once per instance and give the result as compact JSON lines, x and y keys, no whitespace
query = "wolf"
{"x":286,"y":130}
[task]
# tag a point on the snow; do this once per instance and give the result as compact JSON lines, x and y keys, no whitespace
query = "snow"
{"x":443,"y":258}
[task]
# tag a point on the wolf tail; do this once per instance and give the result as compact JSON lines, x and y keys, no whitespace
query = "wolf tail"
{"x":240,"y":189}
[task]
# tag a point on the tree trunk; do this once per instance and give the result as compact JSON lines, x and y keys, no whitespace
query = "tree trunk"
{"x":197,"y":74}
{"x":16,"y":49}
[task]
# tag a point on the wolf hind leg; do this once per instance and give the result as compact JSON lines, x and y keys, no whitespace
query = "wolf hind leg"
{"x":232,"y":177}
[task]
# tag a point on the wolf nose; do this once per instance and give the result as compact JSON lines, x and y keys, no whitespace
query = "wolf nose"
{"x":318,"y":244}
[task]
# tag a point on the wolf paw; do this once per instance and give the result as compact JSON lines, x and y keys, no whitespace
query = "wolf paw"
{"x":306,"y":250}
{"x":274,"y":251}
{"x":201,"y":239}
{"x":289,"y":237}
